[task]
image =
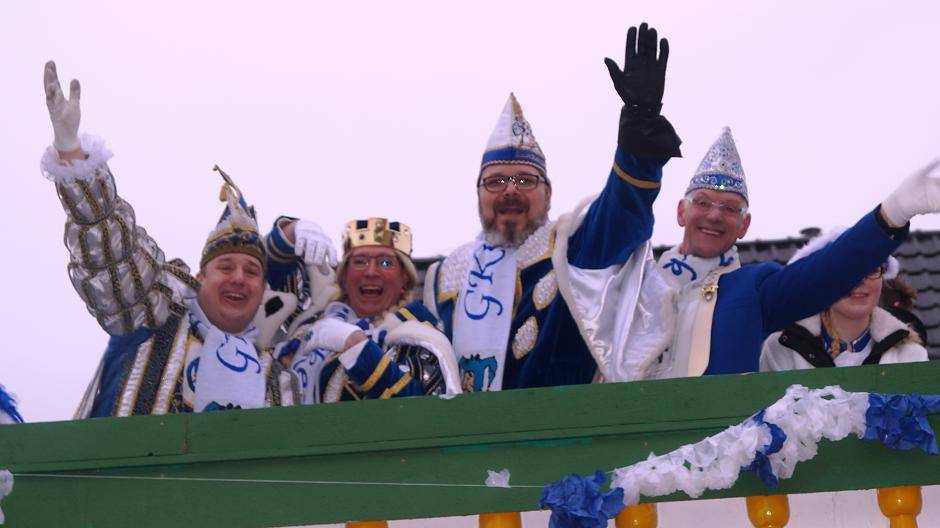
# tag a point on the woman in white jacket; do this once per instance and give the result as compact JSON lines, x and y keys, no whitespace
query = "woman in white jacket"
{"x":853,"y":331}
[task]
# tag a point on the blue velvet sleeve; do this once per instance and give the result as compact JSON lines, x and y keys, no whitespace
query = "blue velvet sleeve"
{"x":379,"y":377}
{"x":280,"y":260}
{"x":812,"y":284}
{"x":416,"y":311}
{"x":622,"y":216}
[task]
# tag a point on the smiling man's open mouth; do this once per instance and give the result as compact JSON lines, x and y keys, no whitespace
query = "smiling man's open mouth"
{"x":711,"y":232}
{"x":371,"y":291}
{"x":234,"y":297}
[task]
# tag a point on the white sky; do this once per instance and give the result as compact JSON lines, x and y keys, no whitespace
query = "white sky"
{"x":334,"y":111}
{"x":339,"y":111}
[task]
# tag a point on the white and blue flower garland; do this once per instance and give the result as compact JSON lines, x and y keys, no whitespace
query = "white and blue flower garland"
{"x":771,"y":443}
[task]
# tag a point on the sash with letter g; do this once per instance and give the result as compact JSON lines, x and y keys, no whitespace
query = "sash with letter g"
{"x":483,"y":316}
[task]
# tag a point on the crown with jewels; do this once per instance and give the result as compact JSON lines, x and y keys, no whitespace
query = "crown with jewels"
{"x":377,"y":232}
{"x":237,"y":229}
{"x":721,"y":169}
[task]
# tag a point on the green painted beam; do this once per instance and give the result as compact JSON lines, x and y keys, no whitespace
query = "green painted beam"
{"x":348,"y":461}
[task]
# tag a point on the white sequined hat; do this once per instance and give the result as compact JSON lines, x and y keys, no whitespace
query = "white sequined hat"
{"x":720,"y":169}
{"x":512,"y":140}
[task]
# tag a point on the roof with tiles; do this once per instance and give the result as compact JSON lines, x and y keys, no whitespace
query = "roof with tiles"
{"x":919,"y":256}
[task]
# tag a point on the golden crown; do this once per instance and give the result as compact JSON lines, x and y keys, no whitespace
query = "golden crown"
{"x":377,"y":232}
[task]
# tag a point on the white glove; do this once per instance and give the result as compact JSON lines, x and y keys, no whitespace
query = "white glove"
{"x":331,"y":334}
{"x":65,"y":114}
{"x":918,"y":194}
{"x":312,"y":244}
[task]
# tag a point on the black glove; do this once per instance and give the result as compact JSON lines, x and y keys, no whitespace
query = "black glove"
{"x":643,"y":131}
{"x":643,"y":79}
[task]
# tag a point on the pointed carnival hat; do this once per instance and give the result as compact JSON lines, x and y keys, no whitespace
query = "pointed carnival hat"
{"x":379,"y":232}
{"x":720,"y":169}
{"x":237,"y":229}
{"x":512,"y":141}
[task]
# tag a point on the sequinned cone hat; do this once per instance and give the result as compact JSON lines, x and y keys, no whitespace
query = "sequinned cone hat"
{"x":721,"y":169}
{"x":512,"y":140}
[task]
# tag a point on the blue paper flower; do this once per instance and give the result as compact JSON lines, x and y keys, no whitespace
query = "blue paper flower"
{"x":761,"y":463}
{"x":8,"y":405}
{"x":577,"y":502}
{"x":900,"y":420}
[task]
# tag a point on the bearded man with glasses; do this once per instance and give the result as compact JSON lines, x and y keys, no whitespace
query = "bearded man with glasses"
{"x":533,"y":303}
{"x":722,"y":311}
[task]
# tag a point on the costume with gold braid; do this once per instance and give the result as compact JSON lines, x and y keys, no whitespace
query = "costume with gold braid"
{"x":138,"y":297}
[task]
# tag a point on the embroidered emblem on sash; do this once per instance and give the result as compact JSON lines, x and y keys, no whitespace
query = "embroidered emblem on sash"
{"x":476,"y":373}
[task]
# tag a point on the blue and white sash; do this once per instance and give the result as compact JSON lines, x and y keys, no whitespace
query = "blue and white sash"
{"x":229,"y":371}
{"x":483,"y":316}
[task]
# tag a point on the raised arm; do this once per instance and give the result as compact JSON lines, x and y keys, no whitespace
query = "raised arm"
{"x":116,"y":268}
{"x":812,"y":284}
{"x":622,"y":216}
{"x":298,"y":247}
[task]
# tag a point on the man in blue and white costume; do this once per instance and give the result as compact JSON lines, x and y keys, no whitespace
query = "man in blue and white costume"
{"x":724,"y":311}
{"x":534,"y":303}
{"x":165,"y":326}
{"x":370,"y":342}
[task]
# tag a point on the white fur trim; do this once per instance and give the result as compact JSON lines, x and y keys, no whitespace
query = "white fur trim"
{"x":426,"y":336}
{"x":882,"y":325}
{"x":829,"y":236}
{"x":776,"y":357}
{"x":566,"y":225}
{"x":268,"y":325}
{"x":60,"y":171}
{"x":322,"y":296}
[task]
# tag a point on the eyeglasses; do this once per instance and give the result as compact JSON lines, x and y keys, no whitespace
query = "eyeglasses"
{"x":704,"y":206}
{"x":382,"y":261}
{"x":523,"y":182}
{"x":877,"y":274}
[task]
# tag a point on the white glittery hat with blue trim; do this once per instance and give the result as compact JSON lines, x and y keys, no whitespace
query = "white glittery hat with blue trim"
{"x":512,"y":140}
{"x":720,"y":169}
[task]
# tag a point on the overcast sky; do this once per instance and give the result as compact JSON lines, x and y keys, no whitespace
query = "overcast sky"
{"x":339,"y":110}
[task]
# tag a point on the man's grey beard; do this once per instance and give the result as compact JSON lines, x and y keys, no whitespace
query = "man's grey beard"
{"x":509,"y":237}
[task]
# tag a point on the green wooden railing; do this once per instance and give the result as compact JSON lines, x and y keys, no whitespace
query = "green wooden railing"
{"x":327,"y":463}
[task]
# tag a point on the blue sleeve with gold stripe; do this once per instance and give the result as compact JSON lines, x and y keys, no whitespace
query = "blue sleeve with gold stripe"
{"x":281,"y":262}
{"x":378,"y":377}
{"x":416,"y":311}
{"x":622,"y":216}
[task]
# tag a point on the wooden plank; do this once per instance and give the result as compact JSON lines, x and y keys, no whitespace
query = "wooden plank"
{"x":538,"y":434}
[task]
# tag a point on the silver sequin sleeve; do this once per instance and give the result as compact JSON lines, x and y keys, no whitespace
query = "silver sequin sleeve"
{"x":115,"y":266}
